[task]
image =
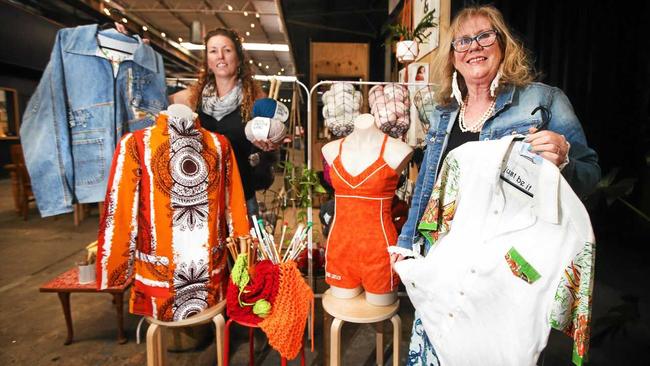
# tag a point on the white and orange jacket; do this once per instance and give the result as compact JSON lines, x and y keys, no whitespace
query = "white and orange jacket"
{"x":174,"y":195}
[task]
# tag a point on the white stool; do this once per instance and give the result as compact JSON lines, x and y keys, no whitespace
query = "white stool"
{"x":358,"y":310}
{"x":156,"y":349}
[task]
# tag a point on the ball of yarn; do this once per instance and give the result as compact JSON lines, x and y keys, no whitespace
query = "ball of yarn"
{"x":342,"y":87}
{"x":277,"y":130}
{"x":271,"y":108}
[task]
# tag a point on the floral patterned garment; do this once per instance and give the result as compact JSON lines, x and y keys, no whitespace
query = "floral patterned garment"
{"x":174,"y":196}
{"x":571,"y":308}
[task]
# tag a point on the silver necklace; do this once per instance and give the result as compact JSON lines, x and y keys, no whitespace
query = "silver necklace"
{"x":479,"y":125}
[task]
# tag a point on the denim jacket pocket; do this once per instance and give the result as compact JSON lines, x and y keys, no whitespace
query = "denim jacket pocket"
{"x":89,"y":163}
{"x":519,"y":128}
{"x":143,"y":105}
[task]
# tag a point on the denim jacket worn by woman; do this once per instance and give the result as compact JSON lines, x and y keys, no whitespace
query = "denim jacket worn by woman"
{"x":512,"y":115}
{"x":79,"y":112}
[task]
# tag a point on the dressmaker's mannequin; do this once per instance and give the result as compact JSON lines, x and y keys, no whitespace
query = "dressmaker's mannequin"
{"x":361,"y":151}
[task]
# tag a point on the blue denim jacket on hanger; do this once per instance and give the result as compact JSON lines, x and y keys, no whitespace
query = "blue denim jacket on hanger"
{"x":513,"y":111}
{"x":79,"y":112}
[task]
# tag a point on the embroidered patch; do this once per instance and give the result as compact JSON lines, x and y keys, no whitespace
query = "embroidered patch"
{"x":520,"y":267}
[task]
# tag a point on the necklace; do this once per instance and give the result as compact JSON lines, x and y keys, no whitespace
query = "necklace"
{"x":479,"y":125}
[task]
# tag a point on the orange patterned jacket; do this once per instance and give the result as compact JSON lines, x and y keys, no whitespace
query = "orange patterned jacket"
{"x":174,"y":195}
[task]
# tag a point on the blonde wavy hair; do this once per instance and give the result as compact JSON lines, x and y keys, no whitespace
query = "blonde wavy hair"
{"x":516,"y":65}
{"x":251,"y":90}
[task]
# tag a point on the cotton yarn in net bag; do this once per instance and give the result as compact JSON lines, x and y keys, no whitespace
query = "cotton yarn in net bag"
{"x":389,"y":104}
{"x":424,"y":103}
{"x":341,"y":106}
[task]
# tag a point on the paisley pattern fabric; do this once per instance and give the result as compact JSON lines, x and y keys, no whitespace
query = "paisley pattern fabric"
{"x":174,"y":196}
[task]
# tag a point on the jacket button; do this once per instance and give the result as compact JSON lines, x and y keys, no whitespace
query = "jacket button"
{"x":413,"y":284}
{"x":451,"y":315}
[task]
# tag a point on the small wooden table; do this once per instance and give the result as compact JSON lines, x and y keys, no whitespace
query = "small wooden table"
{"x":68,"y":282}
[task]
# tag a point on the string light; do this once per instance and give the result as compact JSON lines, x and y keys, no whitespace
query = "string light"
{"x":163,"y":34}
{"x":245,"y":13}
{"x":267,"y":66}
{"x":230,"y":7}
{"x":257,"y":15}
{"x":180,"y":39}
{"x":124,"y":20}
{"x":250,"y":62}
{"x":144,"y":28}
{"x":252,"y":25}
{"x":259,"y":64}
{"x":282,"y":69}
{"x":248,"y":34}
{"x":107,"y":12}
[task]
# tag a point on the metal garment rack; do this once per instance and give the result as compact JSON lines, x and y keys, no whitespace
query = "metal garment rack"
{"x":310,"y":241}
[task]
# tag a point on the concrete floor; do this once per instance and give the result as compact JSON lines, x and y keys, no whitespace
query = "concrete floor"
{"x":32,"y":327}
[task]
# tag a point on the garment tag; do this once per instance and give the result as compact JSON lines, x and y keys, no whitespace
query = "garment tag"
{"x":260,"y":127}
{"x":518,"y":170}
{"x":523,"y":151}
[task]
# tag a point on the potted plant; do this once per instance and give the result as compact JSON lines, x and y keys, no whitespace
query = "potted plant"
{"x":409,"y":39}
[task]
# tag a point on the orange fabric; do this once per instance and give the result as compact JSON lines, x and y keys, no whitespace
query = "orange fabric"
{"x":285,"y":326}
{"x":174,"y":196}
{"x":362,"y":228}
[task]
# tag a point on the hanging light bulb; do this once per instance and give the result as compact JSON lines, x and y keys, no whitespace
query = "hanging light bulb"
{"x":245,"y":13}
{"x":248,"y":34}
{"x":230,"y":7}
{"x":250,"y":62}
{"x":257,"y":15}
{"x":144,"y":28}
{"x":163,"y":34}
{"x":124,"y":20}
{"x":252,"y":25}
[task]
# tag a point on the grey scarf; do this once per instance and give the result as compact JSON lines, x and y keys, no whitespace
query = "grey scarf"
{"x":220,"y":107}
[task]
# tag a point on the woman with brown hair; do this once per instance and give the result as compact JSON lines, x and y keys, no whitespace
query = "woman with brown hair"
{"x":223,"y":97}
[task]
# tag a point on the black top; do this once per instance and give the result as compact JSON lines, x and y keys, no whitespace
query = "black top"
{"x":457,"y":138}
{"x":232,"y":127}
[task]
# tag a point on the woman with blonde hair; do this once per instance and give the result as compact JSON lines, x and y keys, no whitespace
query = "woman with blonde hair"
{"x":486,"y":91}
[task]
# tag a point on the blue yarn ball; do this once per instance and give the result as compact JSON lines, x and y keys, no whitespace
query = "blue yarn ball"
{"x":270,"y":108}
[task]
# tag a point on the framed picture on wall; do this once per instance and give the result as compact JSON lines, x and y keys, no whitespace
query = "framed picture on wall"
{"x":9,"y":125}
{"x":420,"y":9}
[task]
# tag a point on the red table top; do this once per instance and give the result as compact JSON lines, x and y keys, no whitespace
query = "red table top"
{"x":69,"y":282}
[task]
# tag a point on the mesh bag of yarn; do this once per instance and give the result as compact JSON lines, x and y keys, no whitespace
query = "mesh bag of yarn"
{"x":269,"y":117}
{"x":424,"y":101}
{"x":389,"y":104}
{"x":341,"y":105}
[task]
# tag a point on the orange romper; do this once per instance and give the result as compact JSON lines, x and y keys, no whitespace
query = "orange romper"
{"x":362,"y":228}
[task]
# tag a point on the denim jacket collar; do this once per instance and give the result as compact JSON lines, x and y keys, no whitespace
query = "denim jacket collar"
{"x":84,"y":42}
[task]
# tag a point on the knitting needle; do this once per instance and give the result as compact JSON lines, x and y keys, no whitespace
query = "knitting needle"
{"x":284,"y":231}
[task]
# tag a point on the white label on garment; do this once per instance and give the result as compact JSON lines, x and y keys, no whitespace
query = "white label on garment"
{"x":260,"y":127}
{"x":519,"y":172}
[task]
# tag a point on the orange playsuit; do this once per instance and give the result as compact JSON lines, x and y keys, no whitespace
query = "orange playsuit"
{"x":362,"y":228}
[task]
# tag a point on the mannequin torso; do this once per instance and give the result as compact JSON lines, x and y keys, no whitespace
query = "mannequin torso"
{"x":357,"y":153}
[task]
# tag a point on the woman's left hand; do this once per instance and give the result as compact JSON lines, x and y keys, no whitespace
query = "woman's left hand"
{"x":266,"y":145}
{"x":548,"y":144}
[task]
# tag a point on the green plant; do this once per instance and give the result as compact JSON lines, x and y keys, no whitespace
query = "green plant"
{"x":610,"y":191}
{"x":418,"y":33}
{"x":300,"y":183}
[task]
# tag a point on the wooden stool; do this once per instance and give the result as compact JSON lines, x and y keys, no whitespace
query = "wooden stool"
{"x":156,"y":349}
{"x":358,"y":310}
{"x":251,"y":345}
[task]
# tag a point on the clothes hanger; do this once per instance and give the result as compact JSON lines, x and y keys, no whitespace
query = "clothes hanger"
{"x":107,"y":43}
{"x":546,"y":116}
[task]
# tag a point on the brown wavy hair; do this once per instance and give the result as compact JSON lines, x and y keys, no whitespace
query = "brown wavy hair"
{"x":516,"y":66}
{"x":250,"y":88}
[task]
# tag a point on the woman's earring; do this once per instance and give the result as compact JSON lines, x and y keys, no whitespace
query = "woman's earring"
{"x":238,"y":70}
{"x":455,"y":90}
{"x":495,"y":84}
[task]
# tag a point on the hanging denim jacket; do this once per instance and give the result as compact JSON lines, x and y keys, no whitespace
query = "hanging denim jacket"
{"x":512,"y":115}
{"x":79,"y":112}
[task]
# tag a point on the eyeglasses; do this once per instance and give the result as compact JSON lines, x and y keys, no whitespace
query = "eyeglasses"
{"x":484,"y":39}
